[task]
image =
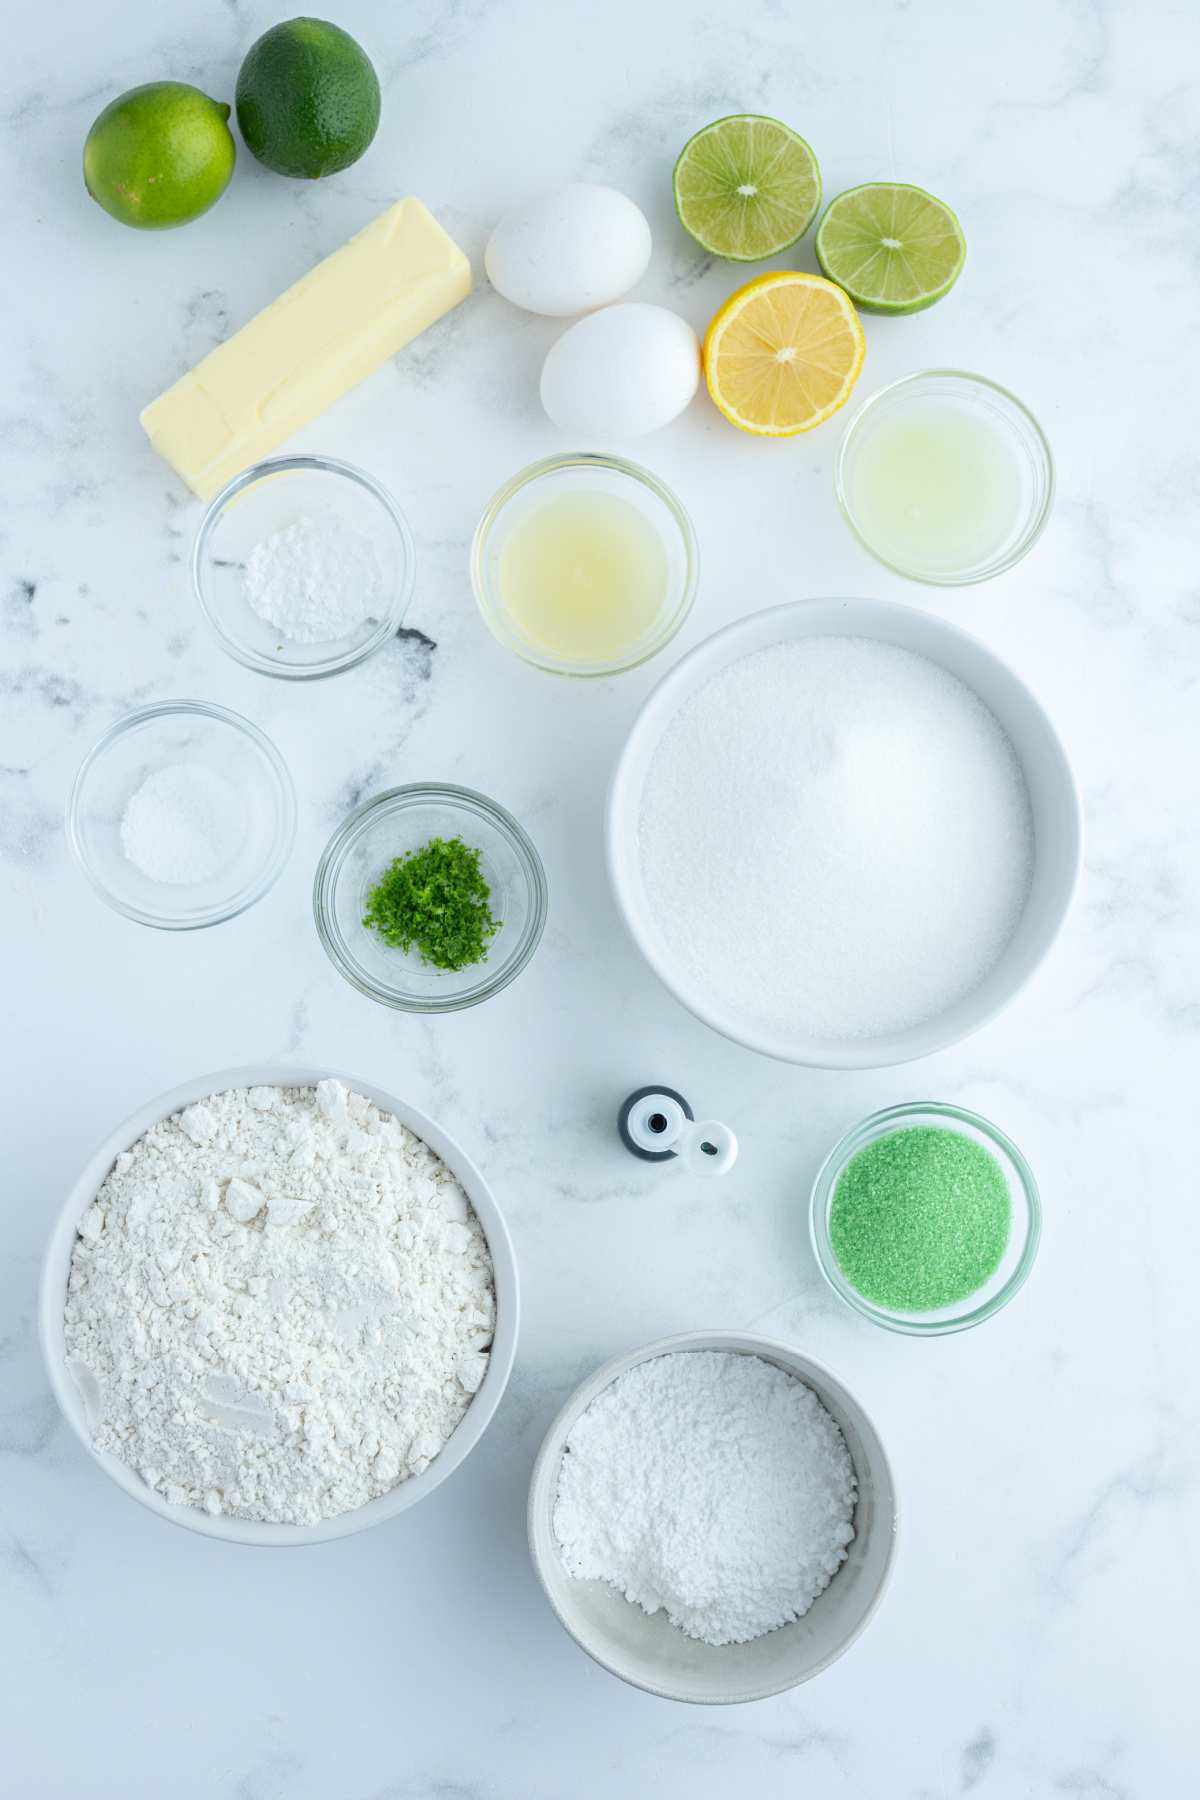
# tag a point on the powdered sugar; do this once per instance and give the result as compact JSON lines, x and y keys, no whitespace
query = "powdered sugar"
{"x":314,"y":581}
{"x":712,"y":1484}
{"x":280,"y":1305}
{"x":183,"y":824}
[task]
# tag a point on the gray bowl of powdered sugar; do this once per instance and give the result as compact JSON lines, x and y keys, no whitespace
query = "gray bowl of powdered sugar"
{"x":303,"y":567}
{"x":713,"y":1517}
{"x":279,"y":1306}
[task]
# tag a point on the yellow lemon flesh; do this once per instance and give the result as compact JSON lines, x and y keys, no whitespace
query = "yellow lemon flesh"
{"x":783,"y":353}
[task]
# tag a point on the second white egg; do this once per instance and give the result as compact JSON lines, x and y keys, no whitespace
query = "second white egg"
{"x":622,"y":372}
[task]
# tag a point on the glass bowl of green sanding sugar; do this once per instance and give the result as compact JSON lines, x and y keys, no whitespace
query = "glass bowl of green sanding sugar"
{"x":925,"y":1219}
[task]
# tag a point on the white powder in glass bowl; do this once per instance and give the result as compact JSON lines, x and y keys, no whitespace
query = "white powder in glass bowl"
{"x":183,"y":824}
{"x":315,"y":581}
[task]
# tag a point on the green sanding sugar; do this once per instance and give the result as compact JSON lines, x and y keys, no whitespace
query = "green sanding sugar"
{"x":920,"y":1218}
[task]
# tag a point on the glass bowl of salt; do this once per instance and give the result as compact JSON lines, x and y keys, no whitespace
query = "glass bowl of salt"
{"x":925,"y":1219}
{"x":303,"y":567}
{"x":182,"y":815}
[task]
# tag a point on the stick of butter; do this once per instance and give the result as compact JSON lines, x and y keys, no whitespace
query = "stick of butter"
{"x":309,"y":347}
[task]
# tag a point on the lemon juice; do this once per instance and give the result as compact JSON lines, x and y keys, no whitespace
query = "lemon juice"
{"x":583,"y":576}
{"x":936,"y":489}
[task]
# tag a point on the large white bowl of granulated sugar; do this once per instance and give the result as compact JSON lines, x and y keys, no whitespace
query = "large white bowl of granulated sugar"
{"x":225,"y":1419}
{"x":843,"y":833}
{"x":715,"y":1479}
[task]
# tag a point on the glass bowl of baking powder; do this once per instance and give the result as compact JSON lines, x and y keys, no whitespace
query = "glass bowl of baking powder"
{"x":302,"y":567}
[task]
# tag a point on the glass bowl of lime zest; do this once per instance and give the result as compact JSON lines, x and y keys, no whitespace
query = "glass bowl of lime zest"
{"x":430,"y":898}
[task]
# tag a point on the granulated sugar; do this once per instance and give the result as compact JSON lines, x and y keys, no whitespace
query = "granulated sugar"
{"x":713,"y":1485}
{"x":836,"y":838}
{"x":183,"y":824}
{"x":314,"y":581}
{"x":280,"y":1305}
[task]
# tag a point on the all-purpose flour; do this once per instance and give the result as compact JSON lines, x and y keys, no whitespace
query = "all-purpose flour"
{"x":280,"y":1304}
{"x":711,"y":1484}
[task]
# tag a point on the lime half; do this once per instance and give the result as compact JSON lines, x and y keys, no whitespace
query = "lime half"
{"x":895,"y":249}
{"x":746,"y":187}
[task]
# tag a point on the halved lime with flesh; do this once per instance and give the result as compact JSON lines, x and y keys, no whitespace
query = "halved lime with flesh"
{"x":746,"y":188}
{"x":895,"y":249}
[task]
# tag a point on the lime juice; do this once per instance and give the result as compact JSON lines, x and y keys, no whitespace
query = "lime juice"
{"x":583,"y":575}
{"x":935,"y":488}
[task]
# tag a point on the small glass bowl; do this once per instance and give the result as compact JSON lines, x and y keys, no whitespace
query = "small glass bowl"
{"x":137,"y":747}
{"x":974,"y":396}
{"x":591,"y":473}
{"x":1025,"y":1231}
{"x":266,"y":499}
{"x":368,"y":842}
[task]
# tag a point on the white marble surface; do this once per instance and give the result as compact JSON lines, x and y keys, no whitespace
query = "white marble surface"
{"x":1038,"y":1635}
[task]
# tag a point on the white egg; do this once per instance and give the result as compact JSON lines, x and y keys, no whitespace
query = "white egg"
{"x":568,"y":250}
{"x":621,"y":372}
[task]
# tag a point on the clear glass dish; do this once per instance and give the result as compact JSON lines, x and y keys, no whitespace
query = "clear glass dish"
{"x":1023,"y":1238}
{"x":591,"y":473}
{"x":267,"y":499}
{"x":403,"y":819}
{"x":155,"y":738}
{"x":968,"y":400}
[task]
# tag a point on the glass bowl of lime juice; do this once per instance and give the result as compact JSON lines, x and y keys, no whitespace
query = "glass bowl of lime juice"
{"x":945,"y":477}
{"x":585,"y":565}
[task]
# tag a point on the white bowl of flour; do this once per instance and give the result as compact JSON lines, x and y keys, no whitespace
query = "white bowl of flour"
{"x":678,"y":1450}
{"x":247,"y":1212}
{"x":843,"y":833}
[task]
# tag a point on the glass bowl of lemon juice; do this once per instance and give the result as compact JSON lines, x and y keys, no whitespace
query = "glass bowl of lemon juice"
{"x":585,"y":565}
{"x":945,"y":477}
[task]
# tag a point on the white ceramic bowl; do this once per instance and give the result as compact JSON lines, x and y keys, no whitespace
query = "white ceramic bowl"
{"x":645,"y":1649}
{"x":56,"y":1267}
{"x":1057,"y":822}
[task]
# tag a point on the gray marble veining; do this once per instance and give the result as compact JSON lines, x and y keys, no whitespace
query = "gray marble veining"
{"x":1038,"y":1636}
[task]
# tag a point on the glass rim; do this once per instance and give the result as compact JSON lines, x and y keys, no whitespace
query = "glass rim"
{"x":584,"y":459}
{"x":1031,"y":531}
{"x":285,"y":465}
{"x":880,"y":1124}
{"x":206,"y":709}
{"x":468,"y":800}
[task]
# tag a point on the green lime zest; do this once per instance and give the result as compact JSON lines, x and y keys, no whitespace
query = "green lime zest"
{"x":893,"y":248}
{"x":436,"y":900}
{"x":746,"y":187}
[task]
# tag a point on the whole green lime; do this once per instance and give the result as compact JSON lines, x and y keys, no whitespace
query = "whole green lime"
{"x":307,"y":99}
{"x":159,"y":156}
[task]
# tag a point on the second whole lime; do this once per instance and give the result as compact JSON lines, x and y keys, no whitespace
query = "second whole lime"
{"x":307,"y":99}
